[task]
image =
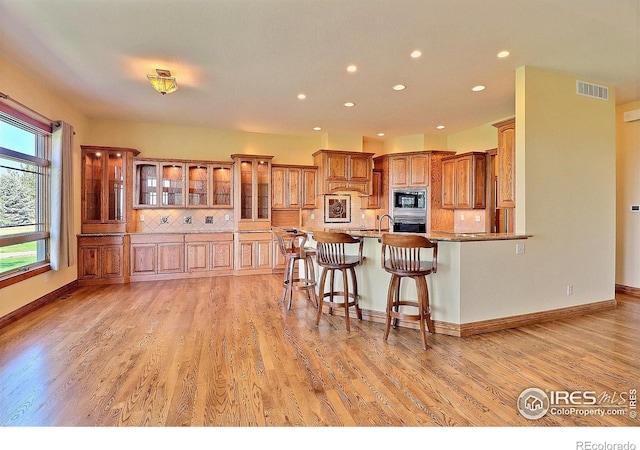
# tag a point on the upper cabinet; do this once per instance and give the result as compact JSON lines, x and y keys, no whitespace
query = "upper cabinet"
{"x":344,"y":171}
{"x":182,"y":184}
{"x":409,"y":170}
{"x":293,"y":187}
{"x":374,"y":201}
{"x":506,"y":163}
{"x":105,"y":177}
{"x":159,"y":184}
{"x":252,"y":175}
{"x":464,"y":181}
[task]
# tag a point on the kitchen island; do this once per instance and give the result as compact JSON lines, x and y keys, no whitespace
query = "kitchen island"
{"x":480,"y":284}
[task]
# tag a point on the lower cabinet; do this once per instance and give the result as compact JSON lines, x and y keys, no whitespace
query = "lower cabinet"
{"x":101,"y":259}
{"x":168,"y":256}
{"x":253,"y":252}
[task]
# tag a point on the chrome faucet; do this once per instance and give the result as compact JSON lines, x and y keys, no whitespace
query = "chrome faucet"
{"x":380,"y":221}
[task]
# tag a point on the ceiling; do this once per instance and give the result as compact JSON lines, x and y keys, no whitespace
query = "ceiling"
{"x":240,"y":64}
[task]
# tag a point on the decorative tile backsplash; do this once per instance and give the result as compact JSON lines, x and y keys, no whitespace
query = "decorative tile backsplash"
{"x":184,"y":220}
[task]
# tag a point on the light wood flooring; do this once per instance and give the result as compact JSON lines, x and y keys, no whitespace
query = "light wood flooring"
{"x":225,"y":352}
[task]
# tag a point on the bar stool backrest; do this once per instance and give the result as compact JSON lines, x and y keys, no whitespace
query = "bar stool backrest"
{"x":401,"y":252}
{"x":332,"y":248}
{"x":289,"y":243}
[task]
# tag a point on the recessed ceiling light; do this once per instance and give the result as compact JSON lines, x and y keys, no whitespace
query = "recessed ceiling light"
{"x":352,"y":68}
{"x":380,"y":134}
{"x":302,"y":96}
{"x":440,"y":127}
{"x":349,"y":104}
{"x":416,"y":54}
{"x":399,"y":87}
{"x":478,"y":88}
{"x":503,"y":54}
{"x":317,"y":128}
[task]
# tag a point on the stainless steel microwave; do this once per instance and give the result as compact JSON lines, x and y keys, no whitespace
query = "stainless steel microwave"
{"x":413,"y":199}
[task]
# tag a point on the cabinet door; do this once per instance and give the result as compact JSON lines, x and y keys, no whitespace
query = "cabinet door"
{"x":506,"y":166}
{"x":172,"y":187}
{"x":463,"y":183}
{"x":309,"y":188}
{"x":359,"y":168}
{"x":448,"y":183}
{"x":246,"y":255}
{"x":399,"y":170}
{"x":170,"y":257}
{"x":143,"y":259}
{"x":263,"y":254}
{"x":337,"y":167}
{"x":197,"y":256}
{"x":278,"y":187}
{"x":88,"y":262}
{"x":222,"y":255}
{"x":111,"y":261}
{"x":479,"y":182}
{"x":374,"y":200}
{"x":293,"y":191}
{"x":419,"y":171}
{"x":221,"y":187}
{"x":197,"y":185}
{"x":146,"y":181}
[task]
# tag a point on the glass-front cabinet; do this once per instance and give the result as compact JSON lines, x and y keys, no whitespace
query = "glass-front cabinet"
{"x":221,"y":195}
{"x":104,"y":188}
{"x":159,"y":184}
{"x":253,"y":191}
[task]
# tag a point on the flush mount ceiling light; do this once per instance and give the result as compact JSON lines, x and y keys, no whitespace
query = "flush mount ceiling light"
{"x":163,"y":82}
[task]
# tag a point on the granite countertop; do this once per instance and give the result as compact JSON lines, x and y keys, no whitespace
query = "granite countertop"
{"x":434,"y":236}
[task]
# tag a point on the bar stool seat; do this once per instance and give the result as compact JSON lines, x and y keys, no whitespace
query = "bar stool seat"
{"x":292,"y":246}
{"x":332,"y":257}
{"x":401,"y":258}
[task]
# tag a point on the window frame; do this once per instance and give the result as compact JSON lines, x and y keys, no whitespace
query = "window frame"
{"x":42,"y":131}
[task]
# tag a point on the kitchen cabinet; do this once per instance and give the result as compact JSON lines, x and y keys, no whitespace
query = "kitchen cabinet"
{"x":293,"y":187}
{"x":252,"y":175}
{"x":209,"y":252}
{"x":464,"y":181}
{"x":106,"y":176}
{"x":101,"y":259}
{"x":374,"y":201}
{"x":208,"y":185}
{"x":409,"y":170}
{"x":253,"y":252}
{"x":159,"y":184}
{"x":344,"y":171}
{"x":156,"y":256}
{"x":286,"y":187}
{"x":506,"y":163}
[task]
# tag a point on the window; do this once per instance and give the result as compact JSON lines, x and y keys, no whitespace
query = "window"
{"x":24,"y":188}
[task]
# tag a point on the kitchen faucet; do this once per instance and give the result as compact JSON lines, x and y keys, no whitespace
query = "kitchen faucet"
{"x":391,"y":222}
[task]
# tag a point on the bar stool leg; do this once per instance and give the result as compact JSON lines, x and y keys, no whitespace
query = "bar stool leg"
{"x":286,"y":281}
{"x":311,"y":276}
{"x":292,"y":264}
{"x":425,"y":306}
{"x":331,"y":291}
{"x":345,"y":282}
{"x":355,"y":293}
{"x":396,"y":300}
{"x":423,"y":299}
{"x":390,"y":302}
{"x":323,"y":277}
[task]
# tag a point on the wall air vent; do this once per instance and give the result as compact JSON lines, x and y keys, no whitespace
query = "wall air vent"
{"x":592,"y":90}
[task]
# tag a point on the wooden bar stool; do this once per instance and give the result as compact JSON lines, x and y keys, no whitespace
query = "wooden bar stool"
{"x":401,"y":258}
{"x":292,"y":247}
{"x":332,"y":256}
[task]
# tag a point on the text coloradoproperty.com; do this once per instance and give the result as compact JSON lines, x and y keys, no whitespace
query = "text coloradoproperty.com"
{"x":588,"y":445}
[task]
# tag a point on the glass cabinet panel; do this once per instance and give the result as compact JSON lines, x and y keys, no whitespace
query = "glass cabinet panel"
{"x":198,"y":185}
{"x":147,"y":184}
{"x":246,"y":189}
{"x":221,"y":186}
{"x":172,"y":185}
{"x":115,"y":187}
{"x":93,"y":169}
{"x":263,"y":176}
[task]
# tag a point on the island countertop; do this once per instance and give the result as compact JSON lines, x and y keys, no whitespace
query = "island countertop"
{"x":433,"y":236}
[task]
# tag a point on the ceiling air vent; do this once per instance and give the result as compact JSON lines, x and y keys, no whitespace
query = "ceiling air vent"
{"x":592,"y":90}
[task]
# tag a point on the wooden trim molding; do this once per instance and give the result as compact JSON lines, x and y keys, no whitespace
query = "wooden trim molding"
{"x":503,"y":323}
{"x":16,"y":277}
{"x":628,"y":290}
{"x":36,"y":304}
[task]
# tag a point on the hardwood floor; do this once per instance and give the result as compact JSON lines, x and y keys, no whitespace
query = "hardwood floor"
{"x":225,"y":352}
